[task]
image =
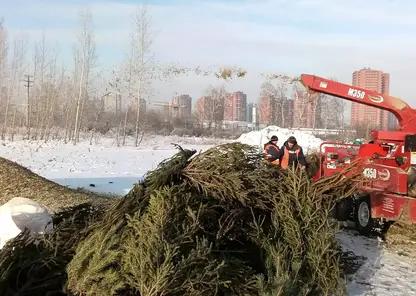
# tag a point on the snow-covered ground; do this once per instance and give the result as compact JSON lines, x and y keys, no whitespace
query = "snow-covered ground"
{"x":104,"y":167}
{"x":384,"y":271}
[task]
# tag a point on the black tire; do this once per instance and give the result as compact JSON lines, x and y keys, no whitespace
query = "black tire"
{"x":344,"y":209}
{"x":363,"y":220}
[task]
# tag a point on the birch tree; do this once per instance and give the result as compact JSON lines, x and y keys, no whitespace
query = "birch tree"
{"x":3,"y":67}
{"x":301,"y":98}
{"x":332,"y":111}
{"x":129,"y":76}
{"x":16,"y":72}
{"x":276,"y":91}
{"x":142,"y":58}
{"x":20,"y":47}
{"x":50,"y":96}
{"x":3,"y":53}
{"x":85,"y":60}
{"x":117,"y":87}
{"x":213,"y":107}
{"x":42,"y":63}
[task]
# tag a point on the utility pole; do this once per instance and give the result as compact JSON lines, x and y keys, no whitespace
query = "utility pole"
{"x":28,"y":85}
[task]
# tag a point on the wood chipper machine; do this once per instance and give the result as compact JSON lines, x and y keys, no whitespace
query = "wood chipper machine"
{"x":387,"y":163}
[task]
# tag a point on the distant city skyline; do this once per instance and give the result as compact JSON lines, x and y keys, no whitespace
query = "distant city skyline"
{"x":293,"y":110}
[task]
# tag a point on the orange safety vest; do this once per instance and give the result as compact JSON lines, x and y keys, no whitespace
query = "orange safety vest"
{"x":266,"y":151}
{"x":286,"y":155}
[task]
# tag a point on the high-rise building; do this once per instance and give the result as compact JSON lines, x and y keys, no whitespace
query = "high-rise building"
{"x":249,"y":112}
{"x":366,"y":116}
{"x":235,"y":105}
{"x":181,"y":106}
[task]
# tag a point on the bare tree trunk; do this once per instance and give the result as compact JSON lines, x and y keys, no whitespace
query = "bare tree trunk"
{"x":78,"y":110}
{"x":49,"y":121}
{"x":125,"y":126}
{"x":19,"y":51}
{"x":81,"y":116}
{"x":129,"y":87}
{"x":68,"y":125}
{"x":136,"y":140}
{"x":88,"y":55}
{"x":3,"y":63}
{"x":118,"y":133}
{"x":141,"y":43}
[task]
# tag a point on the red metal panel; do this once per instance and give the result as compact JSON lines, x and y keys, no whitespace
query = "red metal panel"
{"x":393,"y":207}
{"x":386,"y":178}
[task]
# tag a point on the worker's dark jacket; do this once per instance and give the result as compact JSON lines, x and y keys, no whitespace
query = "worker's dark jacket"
{"x":272,"y":153}
{"x":292,"y":156}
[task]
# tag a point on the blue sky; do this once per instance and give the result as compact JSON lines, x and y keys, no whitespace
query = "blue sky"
{"x":323,"y":37}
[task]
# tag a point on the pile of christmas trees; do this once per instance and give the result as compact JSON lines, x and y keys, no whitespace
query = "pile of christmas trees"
{"x":222,"y":222}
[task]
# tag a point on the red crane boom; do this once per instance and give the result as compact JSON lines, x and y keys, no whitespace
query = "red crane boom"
{"x":403,"y":112}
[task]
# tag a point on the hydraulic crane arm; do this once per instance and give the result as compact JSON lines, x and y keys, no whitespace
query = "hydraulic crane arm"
{"x":403,"y":112}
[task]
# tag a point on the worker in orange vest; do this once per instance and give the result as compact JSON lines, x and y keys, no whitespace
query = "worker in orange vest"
{"x":272,"y":151}
{"x":292,"y":154}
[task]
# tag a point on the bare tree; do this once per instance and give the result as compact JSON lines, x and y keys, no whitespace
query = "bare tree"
{"x":3,"y":67}
{"x":86,"y":60}
{"x":42,"y":62}
{"x":57,"y":94}
{"x":212,"y":111}
{"x":129,"y":76}
{"x":301,"y":98}
{"x":116,"y":90}
{"x":3,"y":53}
{"x":51,"y":94}
{"x":332,"y":111}
{"x":19,"y":57}
{"x":141,"y":42}
{"x":99,"y":110}
{"x":16,"y":72}
{"x":275,"y":92}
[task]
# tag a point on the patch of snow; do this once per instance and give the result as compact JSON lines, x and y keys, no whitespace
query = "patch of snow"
{"x":103,"y":168}
{"x":20,"y":213}
{"x":258,"y":138}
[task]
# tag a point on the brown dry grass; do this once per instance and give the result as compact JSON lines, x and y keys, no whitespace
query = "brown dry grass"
{"x":18,"y":181}
{"x":402,"y":238}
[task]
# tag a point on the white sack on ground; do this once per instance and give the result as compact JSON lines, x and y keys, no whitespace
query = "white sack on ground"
{"x":20,"y":213}
{"x":258,"y":138}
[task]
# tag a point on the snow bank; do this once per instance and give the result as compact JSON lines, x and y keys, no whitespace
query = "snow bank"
{"x":20,"y":213}
{"x":258,"y":138}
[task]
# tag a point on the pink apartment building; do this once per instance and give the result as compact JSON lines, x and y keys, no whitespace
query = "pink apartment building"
{"x":362,"y":115}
